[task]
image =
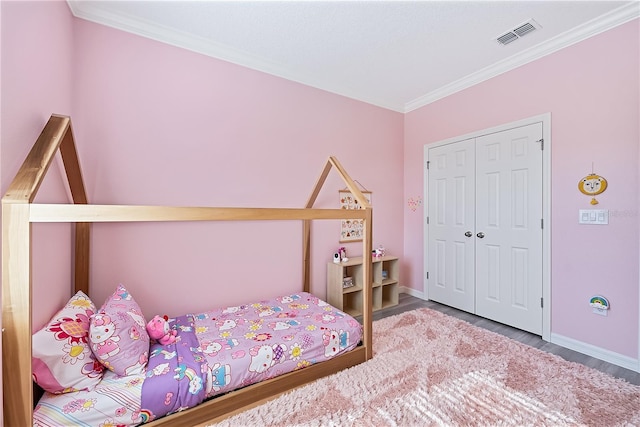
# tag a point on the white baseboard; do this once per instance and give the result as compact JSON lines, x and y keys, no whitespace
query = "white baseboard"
{"x":413,"y":292}
{"x":570,"y":343}
{"x":597,"y":352}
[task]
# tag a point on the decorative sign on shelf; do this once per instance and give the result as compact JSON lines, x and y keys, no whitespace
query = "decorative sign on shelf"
{"x":351,"y":229}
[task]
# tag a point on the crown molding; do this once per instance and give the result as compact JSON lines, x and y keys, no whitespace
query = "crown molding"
{"x":207,"y":47}
{"x":596,"y":26}
{"x":169,"y":36}
{"x":203,"y":46}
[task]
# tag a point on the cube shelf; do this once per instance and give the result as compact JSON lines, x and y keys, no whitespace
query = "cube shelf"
{"x":385,"y":274}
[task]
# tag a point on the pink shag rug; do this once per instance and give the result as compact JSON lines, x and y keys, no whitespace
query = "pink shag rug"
{"x":432,"y":369}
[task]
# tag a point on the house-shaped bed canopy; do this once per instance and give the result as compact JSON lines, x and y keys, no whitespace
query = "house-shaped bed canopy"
{"x":19,"y":212}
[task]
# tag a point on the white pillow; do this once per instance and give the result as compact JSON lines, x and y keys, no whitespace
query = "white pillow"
{"x":61,"y":358}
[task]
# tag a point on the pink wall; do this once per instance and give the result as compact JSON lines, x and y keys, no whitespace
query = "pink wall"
{"x":592,"y":91}
{"x":162,"y":125}
{"x":36,"y":81}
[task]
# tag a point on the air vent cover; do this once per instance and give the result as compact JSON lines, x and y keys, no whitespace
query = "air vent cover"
{"x":519,"y":31}
{"x":524,"y":29}
{"x":507,"y":38}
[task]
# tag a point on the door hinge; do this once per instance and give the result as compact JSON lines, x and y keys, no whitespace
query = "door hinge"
{"x":542,"y":223}
{"x":427,"y":275}
{"x":541,"y":141}
{"x":541,"y":302}
{"x":427,"y":220}
{"x":428,"y":163}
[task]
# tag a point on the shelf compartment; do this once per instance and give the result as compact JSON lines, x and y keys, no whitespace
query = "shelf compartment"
{"x":352,"y":303}
{"x":389,"y":295}
{"x":350,"y":289}
{"x":377,"y":298}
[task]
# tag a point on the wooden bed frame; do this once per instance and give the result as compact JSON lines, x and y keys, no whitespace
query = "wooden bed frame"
{"x":19,"y":211}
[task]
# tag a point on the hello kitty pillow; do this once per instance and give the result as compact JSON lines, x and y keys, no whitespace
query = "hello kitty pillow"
{"x":118,"y":335}
{"x":61,"y":358}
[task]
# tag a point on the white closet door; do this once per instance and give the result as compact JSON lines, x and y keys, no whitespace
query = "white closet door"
{"x":451,"y":214}
{"x":508,"y":227}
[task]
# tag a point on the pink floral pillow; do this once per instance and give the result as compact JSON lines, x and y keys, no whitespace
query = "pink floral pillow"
{"x":61,"y":358}
{"x":118,"y":335}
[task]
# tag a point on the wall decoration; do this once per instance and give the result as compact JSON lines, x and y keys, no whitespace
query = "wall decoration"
{"x":592,"y":185}
{"x":414,"y":204}
{"x":600,"y":305}
{"x":351,"y":229}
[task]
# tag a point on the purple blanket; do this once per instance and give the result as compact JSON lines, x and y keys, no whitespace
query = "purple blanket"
{"x":175,"y":378}
{"x":232,"y":347}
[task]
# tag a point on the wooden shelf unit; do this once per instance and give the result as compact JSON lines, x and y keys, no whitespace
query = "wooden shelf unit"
{"x":349,"y":300}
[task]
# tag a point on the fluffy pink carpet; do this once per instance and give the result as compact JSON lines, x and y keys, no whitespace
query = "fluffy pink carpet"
{"x":432,"y":369}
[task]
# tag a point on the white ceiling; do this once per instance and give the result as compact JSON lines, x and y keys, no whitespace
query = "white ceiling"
{"x":399,"y":55}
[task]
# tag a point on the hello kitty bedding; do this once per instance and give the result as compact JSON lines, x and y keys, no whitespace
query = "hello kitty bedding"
{"x":215,"y":352}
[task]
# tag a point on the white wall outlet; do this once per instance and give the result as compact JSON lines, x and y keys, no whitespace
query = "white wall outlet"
{"x":600,"y":311}
{"x":593,"y":216}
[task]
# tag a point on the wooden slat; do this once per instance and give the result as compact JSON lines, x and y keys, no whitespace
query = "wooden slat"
{"x":367,"y":277}
{"x":72,"y":167}
{"x":351,"y":185}
{"x":24,"y":186}
{"x":306,"y":256}
{"x":16,"y":314}
{"x":82,"y":257}
{"x":306,"y":229}
{"x":73,"y":172}
{"x":127,"y":213}
{"x":319,"y":183}
{"x":240,"y":400}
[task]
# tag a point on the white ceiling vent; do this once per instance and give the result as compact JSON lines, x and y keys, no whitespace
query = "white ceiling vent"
{"x":519,"y":31}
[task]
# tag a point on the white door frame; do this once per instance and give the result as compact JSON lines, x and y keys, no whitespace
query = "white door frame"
{"x":545,"y":119}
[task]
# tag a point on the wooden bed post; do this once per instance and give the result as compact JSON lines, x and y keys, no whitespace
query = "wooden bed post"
{"x":306,"y":228}
{"x":82,"y":253}
{"x":16,"y":314}
{"x":16,"y":261}
{"x":367,"y":262}
{"x":83,"y":229}
{"x":367,"y":301}
{"x":367,"y":278}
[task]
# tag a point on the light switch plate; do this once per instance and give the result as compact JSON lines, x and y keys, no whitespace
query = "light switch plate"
{"x":593,"y":216}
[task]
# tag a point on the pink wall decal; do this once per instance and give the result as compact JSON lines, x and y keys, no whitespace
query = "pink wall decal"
{"x":414,"y":203}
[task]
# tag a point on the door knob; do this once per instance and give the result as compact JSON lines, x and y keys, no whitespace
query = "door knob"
{"x":480,"y":234}
{"x":468,"y":234}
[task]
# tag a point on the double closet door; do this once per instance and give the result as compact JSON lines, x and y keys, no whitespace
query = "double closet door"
{"x":484,"y":244}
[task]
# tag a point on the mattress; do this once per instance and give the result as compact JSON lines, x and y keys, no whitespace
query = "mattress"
{"x":216,"y":352}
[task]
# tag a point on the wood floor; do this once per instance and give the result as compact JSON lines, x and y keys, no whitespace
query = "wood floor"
{"x":408,"y":302}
